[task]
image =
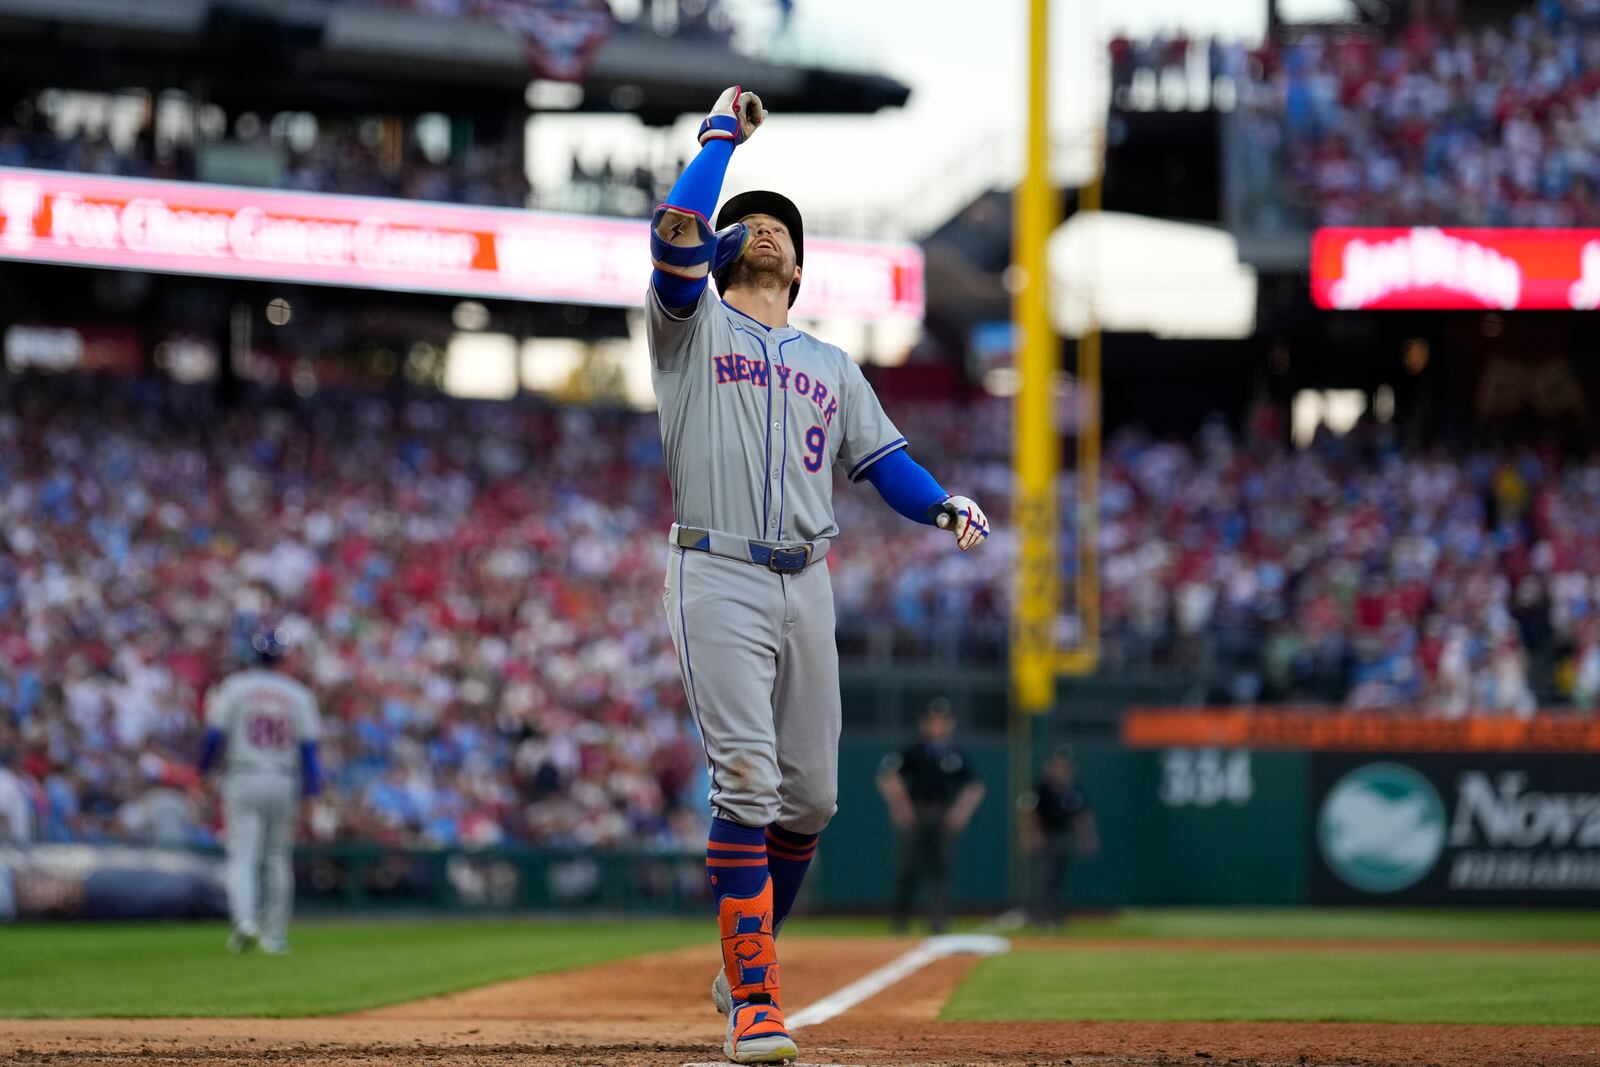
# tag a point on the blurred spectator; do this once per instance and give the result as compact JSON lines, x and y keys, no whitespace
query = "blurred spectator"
{"x":16,"y":807}
{"x":1164,"y":72}
{"x":1584,"y":669}
{"x":1493,"y":126}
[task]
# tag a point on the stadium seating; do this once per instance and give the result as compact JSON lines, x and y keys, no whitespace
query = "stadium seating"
{"x":333,"y":164}
{"x":476,"y":593}
{"x":1495,"y":126}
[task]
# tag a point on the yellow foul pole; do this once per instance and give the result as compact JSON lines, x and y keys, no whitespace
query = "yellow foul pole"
{"x":1085,"y":657}
{"x":1035,"y":445}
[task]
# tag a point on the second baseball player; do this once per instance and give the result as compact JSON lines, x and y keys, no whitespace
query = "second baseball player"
{"x":263,"y":724}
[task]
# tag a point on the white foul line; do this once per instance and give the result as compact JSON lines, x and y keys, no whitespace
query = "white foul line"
{"x":869,"y":985}
{"x":876,"y":982}
{"x":933,"y":948}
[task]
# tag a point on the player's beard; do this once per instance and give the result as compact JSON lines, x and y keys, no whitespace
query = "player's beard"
{"x":761,"y":270}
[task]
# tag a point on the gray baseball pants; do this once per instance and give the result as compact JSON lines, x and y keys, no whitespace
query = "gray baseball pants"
{"x":761,"y":671}
{"x":260,"y":809}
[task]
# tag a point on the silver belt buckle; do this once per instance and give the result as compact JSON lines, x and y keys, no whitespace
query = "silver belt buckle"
{"x":790,"y":560}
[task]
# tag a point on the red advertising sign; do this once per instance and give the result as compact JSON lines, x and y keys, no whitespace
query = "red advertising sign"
{"x":1425,"y":267}
{"x":403,"y":245}
{"x":1319,"y":729}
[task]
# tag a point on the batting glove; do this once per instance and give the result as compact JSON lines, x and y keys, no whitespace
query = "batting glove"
{"x":734,"y":118}
{"x":962,"y":516}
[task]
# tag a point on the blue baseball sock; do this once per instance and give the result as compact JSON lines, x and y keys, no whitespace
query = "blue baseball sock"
{"x":736,"y":859}
{"x":788,"y":858}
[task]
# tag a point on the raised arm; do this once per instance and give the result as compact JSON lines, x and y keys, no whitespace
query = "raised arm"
{"x":683,"y":248}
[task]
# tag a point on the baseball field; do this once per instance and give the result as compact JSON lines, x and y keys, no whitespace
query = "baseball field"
{"x":1140,"y":987}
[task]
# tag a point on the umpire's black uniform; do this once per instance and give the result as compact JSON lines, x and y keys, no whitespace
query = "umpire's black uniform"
{"x":1061,"y":817}
{"x":934,"y":775}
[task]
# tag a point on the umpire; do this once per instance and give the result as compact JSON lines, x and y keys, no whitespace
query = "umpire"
{"x":1055,"y":817}
{"x":932,"y":793}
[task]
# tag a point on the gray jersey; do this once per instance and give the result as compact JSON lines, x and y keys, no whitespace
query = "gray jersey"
{"x":753,"y":421}
{"x":263,"y":717}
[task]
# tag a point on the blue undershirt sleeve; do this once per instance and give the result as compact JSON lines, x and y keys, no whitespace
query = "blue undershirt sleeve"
{"x":310,"y":769}
{"x":906,"y":486}
{"x":210,"y":746}
{"x":696,"y":190}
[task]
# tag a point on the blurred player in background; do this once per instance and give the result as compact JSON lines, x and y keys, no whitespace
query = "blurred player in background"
{"x":756,"y":415}
{"x":932,"y":792}
{"x":1056,"y":822}
{"x":264,"y":725}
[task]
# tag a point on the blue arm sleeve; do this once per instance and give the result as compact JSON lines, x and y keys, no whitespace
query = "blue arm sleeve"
{"x":210,"y":746}
{"x":697,"y":190}
{"x":310,"y":769}
{"x":906,"y":486}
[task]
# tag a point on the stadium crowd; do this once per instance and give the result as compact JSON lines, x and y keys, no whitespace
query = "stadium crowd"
{"x":474,"y":593}
{"x":337,"y":161}
{"x":1493,"y":126}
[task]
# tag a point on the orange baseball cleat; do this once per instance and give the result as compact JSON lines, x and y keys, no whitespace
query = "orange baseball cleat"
{"x":756,"y":1031}
{"x":757,"y":1034}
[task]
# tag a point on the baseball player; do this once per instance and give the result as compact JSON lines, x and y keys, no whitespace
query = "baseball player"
{"x":265,"y":725}
{"x":755,"y":417}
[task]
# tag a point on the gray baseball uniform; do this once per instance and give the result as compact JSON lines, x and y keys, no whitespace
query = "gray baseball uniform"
{"x":264,"y":717}
{"x":753,"y":422}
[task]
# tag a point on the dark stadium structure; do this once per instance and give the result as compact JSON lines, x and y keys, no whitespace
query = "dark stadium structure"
{"x":357,"y":56}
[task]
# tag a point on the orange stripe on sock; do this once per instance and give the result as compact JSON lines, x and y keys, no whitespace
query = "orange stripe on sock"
{"x":719,"y":846}
{"x":785,"y":854}
{"x":735,"y":863}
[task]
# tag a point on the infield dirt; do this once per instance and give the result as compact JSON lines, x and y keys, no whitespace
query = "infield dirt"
{"x":655,"y":1011}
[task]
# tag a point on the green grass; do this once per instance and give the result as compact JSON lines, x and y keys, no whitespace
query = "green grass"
{"x":181,"y":969}
{"x":1302,"y":985}
{"x":1366,"y":984}
{"x":177,"y":969}
{"x":1341,"y":924}
{"x":80,"y":970}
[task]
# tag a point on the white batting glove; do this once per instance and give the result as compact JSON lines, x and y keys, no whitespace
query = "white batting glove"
{"x":734,"y":118}
{"x":962,"y":516}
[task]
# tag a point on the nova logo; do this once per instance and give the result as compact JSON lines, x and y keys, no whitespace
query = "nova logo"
{"x":1382,"y":827}
{"x":1509,"y":815}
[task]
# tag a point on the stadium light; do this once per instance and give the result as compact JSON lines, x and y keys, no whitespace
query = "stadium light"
{"x":470,"y":316}
{"x":481,"y":366}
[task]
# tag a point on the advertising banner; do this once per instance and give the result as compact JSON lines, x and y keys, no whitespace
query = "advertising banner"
{"x":399,"y":245}
{"x":1318,"y":729}
{"x":1426,"y":267}
{"x":1509,"y":829}
{"x":108,"y":882}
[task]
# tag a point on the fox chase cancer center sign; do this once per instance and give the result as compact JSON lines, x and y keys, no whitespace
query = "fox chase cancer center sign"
{"x":1425,"y":267}
{"x":390,"y":244}
{"x":1489,"y":829}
